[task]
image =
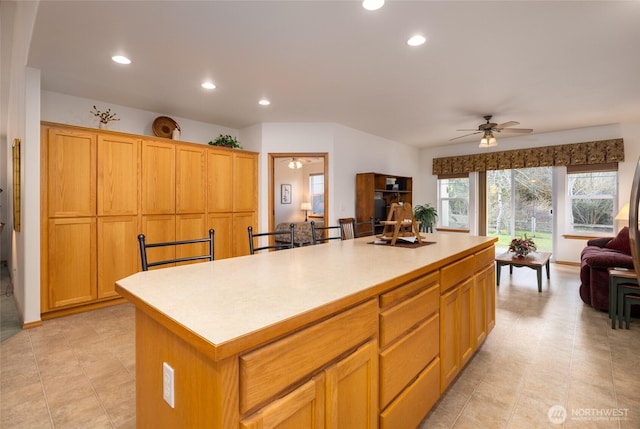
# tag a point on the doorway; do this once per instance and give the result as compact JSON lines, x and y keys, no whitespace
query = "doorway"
{"x":519,"y":203}
{"x":296,"y":179}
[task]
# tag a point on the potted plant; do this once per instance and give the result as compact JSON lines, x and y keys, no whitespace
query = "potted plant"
{"x":426,"y":215}
{"x":226,"y":141}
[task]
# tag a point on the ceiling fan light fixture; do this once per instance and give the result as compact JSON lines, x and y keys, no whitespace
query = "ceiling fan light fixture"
{"x":488,"y":140}
{"x":295,"y":163}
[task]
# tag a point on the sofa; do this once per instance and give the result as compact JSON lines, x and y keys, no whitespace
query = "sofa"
{"x":595,"y":260}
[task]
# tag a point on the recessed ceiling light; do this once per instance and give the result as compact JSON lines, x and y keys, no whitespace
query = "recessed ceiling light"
{"x":208,"y":85}
{"x":121,"y":59}
{"x":264,"y":102}
{"x":416,"y":40}
{"x":372,"y":4}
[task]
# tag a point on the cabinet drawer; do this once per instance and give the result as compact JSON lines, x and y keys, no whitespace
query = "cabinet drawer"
{"x":401,"y":362}
{"x":485,"y":257}
{"x":400,"y":318}
{"x":408,"y":410}
{"x":269,"y":370}
{"x":453,"y":274}
{"x":408,"y":289}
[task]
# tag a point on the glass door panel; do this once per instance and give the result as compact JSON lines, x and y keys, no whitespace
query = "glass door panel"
{"x":519,"y":203}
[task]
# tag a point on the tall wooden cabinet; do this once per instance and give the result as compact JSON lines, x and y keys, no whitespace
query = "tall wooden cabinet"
{"x":100,"y":189}
{"x":376,"y":192}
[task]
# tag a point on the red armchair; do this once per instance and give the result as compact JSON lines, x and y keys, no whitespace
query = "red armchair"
{"x":595,"y":259}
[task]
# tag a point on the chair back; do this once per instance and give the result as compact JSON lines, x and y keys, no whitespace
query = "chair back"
{"x":285,"y":239}
{"x":185,"y":243}
{"x":323,"y":234}
{"x":352,"y":229}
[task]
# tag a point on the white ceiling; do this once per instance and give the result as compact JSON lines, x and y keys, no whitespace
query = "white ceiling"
{"x":548,"y":65}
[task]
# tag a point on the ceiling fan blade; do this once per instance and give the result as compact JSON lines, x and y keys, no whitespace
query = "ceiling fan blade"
{"x":516,"y":130}
{"x":507,"y":124}
{"x":466,"y":135}
{"x":470,"y":129}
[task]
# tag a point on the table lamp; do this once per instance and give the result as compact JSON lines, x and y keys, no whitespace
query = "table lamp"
{"x":306,"y":207}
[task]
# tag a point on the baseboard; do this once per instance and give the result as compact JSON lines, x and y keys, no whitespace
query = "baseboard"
{"x":575,"y":264}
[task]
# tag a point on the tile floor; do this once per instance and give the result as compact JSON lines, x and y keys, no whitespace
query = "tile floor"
{"x":546,"y":349}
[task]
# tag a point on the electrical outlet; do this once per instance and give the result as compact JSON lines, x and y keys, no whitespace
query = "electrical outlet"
{"x":168,"y":384}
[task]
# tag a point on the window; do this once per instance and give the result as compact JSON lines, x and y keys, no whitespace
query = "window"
{"x":592,"y":197}
{"x":316,"y":193}
{"x":453,"y":202}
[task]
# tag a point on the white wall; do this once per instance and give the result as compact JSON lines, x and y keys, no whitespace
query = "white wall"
{"x":566,"y":250}
{"x":70,"y":110}
{"x":350,"y":152}
{"x":23,"y":121}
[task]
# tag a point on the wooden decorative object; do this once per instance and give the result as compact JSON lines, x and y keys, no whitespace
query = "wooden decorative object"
{"x":400,"y":223}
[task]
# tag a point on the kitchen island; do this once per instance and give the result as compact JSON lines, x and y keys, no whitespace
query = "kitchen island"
{"x":344,"y":334}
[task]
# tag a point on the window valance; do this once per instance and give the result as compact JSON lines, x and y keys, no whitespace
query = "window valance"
{"x":586,"y":153}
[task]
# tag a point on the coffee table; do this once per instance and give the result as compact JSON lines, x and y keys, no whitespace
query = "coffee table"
{"x":534,"y":260}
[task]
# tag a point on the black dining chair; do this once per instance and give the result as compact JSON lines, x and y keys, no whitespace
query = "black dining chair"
{"x":144,"y":246}
{"x":284,"y":239}
{"x":324,"y":234}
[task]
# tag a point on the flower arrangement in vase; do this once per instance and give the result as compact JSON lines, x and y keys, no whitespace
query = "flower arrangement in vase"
{"x":105,"y":117}
{"x":522,"y":246}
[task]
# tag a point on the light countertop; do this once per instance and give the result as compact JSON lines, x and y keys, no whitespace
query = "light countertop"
{"x":230,"y":299}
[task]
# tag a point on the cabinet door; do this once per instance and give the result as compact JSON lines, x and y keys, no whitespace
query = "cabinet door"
{"x":117,"y":252}
{"x":479,"y":305}
{"x":245,"y":182}
{"x":191,"y":163}
{"x":189,"y":227}
{"x":302,"y":408}
{"x":491,"y":298}
{"x":117,"y":175}
{"x":449,"y":337}
{"x":219,"y":181}
{"x":352,"y":391}
{"x":222,"y":223}
{"x":158,"y":177}
{"x":71,"y":173}
{"x":241,"y":221}
{"x":159,"y":228}
{"x":467,"y":314}
{"x":71,"y":261}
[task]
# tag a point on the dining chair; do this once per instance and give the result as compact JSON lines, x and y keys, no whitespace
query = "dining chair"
{"x":324,"y":234}
{"x":285,"y":239}
{"x":200,"y":256}
{"x":352,"y":229}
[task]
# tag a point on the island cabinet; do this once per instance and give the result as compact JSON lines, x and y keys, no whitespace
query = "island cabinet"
{"x":409,"y":352}
{"x":324,"y":375}
{"x":270,"y":341}
{"x":467,"y":311}
{"x":100,"y":189}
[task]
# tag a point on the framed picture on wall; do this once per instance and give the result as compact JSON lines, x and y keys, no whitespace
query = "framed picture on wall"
{"x":285,"y":194}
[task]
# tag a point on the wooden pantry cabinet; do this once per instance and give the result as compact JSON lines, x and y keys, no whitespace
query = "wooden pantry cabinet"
{"x":100,"y":189}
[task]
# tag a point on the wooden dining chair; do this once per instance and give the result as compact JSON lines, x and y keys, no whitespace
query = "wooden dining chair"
{"x":285,"y":240}
{"x":186,"y":243}
{"x":352,"y":229}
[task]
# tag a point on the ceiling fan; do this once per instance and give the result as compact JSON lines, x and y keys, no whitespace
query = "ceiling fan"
{"x":491,"y":127}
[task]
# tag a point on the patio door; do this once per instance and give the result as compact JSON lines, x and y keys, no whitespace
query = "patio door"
{"x":519,"y":202}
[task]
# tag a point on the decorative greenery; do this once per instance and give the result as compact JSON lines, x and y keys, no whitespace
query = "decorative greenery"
{"x":105,"y":117}
{"x":426,"y":215}
{"x":522,"y":246}
{"x":227,"y":141}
